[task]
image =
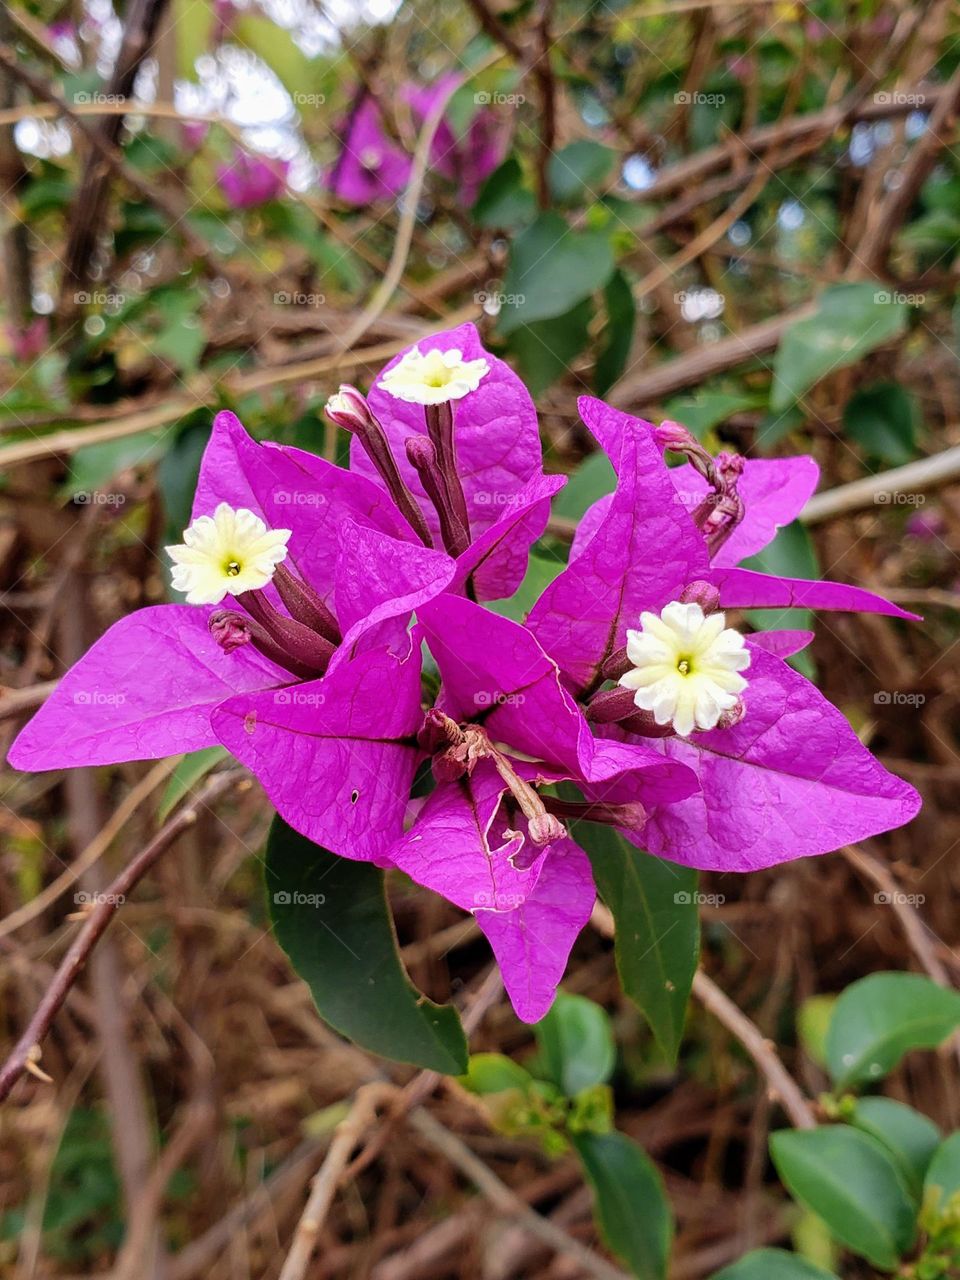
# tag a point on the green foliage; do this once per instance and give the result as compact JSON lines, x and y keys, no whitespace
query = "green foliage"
{"x":551,"y":269}
{"x":576,"y":1044}
{"x":909,"y":1136}
{"x":577,"y":171}
{"x":631,"y":1206}
{"x":851,"y":319}
{"x":657,"y":944}
{"x":331,"y":917}
{"x":882,"y":418}
{"x":854,"y":1184}
{"x":880,"y":1018}
{"x":772,"y":1264}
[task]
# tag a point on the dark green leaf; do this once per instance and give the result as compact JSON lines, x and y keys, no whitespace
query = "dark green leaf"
{"x":853,"y":1183}
{"x":576,"y":1044}
{"x":594,"y":479}
{"x":630,"y":1205}
{"x":504,"y":203}
{"x":618,"y":334}
{"x":331,"y":917}
{"x":553,"y":268}
{"x":882,"y":418}
{"x":708,"y":409}
{"x":772,"y":1264}
{"x":545,"y":348}
{"x":911,"y":1138}
{"x":540,"y":573}
{"x":851,"y":320}
{"x":654,"y":905}
{"x":577,"y":171}
{"x":883,"y":1016}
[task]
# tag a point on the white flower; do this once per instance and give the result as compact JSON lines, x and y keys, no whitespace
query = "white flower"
{"x":686,"y":667}
{"x":433,"y":377}
{"x":225,"y":554}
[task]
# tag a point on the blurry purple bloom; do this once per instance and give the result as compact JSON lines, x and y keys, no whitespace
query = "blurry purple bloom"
{"x":372,"y":164}
{"x":28,"y":343}
{"x":251,"y":180}
{"x":926,"y":526}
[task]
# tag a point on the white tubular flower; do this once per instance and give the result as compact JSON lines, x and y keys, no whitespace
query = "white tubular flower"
{"x":433,"y":377}
{"x":686,"y":667}
{"x":227,"y":553}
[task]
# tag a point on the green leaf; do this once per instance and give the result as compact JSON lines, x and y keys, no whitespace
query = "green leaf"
{"x":576,"y":171}
{"x":594,"y":479}
{"x":911,"y":1138}
{"x":545,"y":348}
{"x":194,"y":22}
{"x":882,"y":418}
{"x":773,"y":1264}
{"x":853,"y":1183}
{"x":851,"y":320}
{"x":504,"y":203}
{"x":883,"y":1016}
{"x":630,"y":1206}
{"x":95,"y":465}
{"x":553,"y":268}
{"x":708,"y":409}
{"x":576,"y":1043}
{"x":192,"y":767}
{"x":813,"y":1022}
{"x":618,"y":334}
{"x":540,"y":573}
{"x":331,"y":917}
{"x":495,"y":1073}
{"x":657,"y":943}
{"x":942,"y":1182}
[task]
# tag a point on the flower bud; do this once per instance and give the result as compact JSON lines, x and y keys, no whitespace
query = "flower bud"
{"x":705,"y":594}
{"x":544,"y":828}
{"x":348,"y":409}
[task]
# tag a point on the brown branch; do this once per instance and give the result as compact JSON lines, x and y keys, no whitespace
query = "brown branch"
{"x":27,"y":1047}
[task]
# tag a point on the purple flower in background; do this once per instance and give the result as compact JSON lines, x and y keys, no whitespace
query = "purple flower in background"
{"x":251,"y":180}
{"x":28,"y":342}
{"x":782,"y":774}
{"x":373,"y":165}
{"x":194,"y":133}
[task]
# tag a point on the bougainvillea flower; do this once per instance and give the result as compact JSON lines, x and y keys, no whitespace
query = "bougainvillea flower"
{"x":373,"y":165}
{"x":782,"y":774}
{"x":486,"y":837}
{"x":250,"y":180}
{"x":450,"y":433}
{"x":337,"y":653}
